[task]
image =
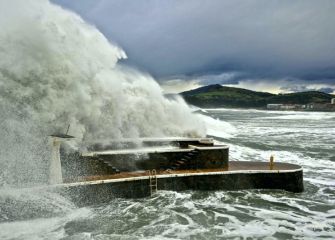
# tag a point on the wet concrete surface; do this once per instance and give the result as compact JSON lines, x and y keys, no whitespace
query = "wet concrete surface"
{"x":233,"y":166}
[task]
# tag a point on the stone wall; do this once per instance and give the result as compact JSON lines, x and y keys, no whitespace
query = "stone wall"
{"x":212,"y":158}
{"x":103,"y":191}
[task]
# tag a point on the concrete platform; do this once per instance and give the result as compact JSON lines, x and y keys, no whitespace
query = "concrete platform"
{"x":237,"y":176}
{"x":146,"y":150}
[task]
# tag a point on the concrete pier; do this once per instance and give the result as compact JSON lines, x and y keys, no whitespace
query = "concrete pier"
{"x":189,"y":156}
{"x":103,"y":173}
{"x":239,"y":175}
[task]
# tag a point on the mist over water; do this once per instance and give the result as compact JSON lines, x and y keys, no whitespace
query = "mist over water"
{"x":56,"y":70}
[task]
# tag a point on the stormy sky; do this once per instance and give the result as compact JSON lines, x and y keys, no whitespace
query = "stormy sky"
{"x":266,"y":45}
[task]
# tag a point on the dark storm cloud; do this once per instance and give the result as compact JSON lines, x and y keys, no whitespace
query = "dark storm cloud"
{"x":261,"y":39}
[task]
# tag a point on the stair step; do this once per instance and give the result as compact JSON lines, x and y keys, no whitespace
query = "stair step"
{"x":107,"y":163}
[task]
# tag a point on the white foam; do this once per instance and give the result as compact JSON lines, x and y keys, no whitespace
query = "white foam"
{"x":218,"y":128}
{"x":57,"y":70}
{"x":42,"y":228}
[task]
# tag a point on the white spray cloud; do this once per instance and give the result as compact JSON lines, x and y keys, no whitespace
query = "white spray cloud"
{"x":56,"y":70}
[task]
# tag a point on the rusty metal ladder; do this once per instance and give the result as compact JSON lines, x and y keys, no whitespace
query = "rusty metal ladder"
{"x":152,"y":181}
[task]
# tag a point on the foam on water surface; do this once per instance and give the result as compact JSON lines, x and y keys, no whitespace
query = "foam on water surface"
{"x":56,"y":70}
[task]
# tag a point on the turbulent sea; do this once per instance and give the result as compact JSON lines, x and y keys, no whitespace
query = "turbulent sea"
{"x":56,"y":70}
{"x":303,"y":138}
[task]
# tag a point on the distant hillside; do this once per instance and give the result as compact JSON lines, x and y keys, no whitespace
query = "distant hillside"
{"x":221,"y":96}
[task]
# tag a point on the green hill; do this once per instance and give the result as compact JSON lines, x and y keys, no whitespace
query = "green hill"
{"x":221,"y":96}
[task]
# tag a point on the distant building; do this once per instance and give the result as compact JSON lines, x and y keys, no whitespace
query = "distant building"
{"x":274,"y":106}
{"x":305,"y":107}
{"x":285,"y":106}
{"x":289,"y":106}
{"x":321,"y":107}
{"x":310,"y":106}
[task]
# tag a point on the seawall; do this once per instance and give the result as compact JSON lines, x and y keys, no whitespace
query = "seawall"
{"x":285,"y":176}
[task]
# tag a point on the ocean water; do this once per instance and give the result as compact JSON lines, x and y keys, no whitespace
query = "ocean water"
{"x":67,"y":72}
{"x":295,"y":137}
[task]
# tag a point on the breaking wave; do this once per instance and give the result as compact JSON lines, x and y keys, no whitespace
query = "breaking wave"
{"x":56,"y":70}
{"x":218,"y":128}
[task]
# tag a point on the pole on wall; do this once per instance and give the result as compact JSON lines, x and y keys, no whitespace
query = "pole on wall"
{"x":55,"y":167}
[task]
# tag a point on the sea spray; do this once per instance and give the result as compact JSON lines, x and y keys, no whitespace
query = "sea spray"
{"x":26,"y":203}
{"x":56,"y":70}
